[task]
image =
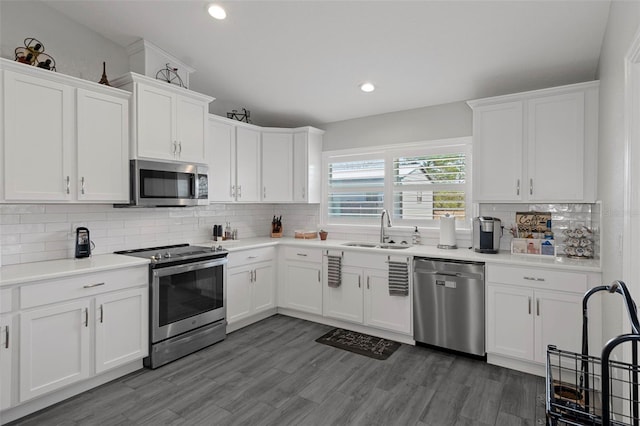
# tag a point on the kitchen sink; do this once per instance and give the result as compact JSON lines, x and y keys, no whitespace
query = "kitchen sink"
{"x":377,"y":245}
{"x":370,"y":245}
{"x":393,"y":246}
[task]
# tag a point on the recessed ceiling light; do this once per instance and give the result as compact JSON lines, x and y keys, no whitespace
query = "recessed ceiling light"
{"x":367,"y":87}
{"x":216,"y":11}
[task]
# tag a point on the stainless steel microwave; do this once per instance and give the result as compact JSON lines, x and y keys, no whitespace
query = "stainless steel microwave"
{"x":168,"y":184}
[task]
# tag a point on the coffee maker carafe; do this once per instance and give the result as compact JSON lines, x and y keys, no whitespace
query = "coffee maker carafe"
{"x":486,"y":234}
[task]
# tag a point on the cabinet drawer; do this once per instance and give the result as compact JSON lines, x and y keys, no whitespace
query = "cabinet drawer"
{"x":63,"y":289}
{"x":303,"y":253}
{"x":245,"y":257}
{"x":550,"y":279}
{"x":6,"y":302}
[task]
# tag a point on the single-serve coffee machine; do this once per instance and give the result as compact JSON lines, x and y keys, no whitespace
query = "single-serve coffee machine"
{"x":486,"y":234}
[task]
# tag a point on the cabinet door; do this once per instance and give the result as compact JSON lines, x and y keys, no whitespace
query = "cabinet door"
{"x":54,"y":348}
{"x":122,"y":333}
{"x":264,"y":291}
{"x":556,"y":148}
{"x":510,"y":321}
{"x":156,"y":123}
{"x":300,"y":167}
{"x":382,"y":310}
{"x":247,"y":165}
{"x":221,"y":158}
{"x":303,"y":287}
{"x":277,"y":167}
{"x":7,"y":342}
{"x":191,"y":129}
{"x":39,"y":137}
{"x":345,"y":302}
{"x":558,"y":321}
{"x":103,"y":147}
{"x":497,"y":152}
{"x":238,"y":293}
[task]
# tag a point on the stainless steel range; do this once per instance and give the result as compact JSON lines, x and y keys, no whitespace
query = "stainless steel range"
{"x":187,"y":299}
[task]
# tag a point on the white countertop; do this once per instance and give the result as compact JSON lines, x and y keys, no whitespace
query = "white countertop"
{"x":37,"y":271}
{"x":503,"y":257}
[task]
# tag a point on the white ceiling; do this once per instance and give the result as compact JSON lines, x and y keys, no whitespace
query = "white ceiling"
{"x":300,"y":62}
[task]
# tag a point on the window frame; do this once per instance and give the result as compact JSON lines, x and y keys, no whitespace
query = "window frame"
{"x":389,"y":153}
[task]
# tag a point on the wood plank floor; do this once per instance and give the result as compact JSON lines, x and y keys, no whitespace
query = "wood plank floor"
{"x":274,"y":373}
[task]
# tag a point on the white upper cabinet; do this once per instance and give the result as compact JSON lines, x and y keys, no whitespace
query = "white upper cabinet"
{"x":65,"y":139}
{"x":103,"y":147}
{"x":536,"y":146}
{"x":170,"y":121}
{"x":307,"y":165}
{"x":220,"y":152}
{"x":248,"y":163}
{"x":277,"y":166}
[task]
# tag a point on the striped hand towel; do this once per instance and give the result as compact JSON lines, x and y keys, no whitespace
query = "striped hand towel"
{"x":334,"y":269}
{"x":398,"y":278}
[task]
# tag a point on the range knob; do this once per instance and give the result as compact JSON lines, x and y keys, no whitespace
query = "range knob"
{"x":167,"y":255}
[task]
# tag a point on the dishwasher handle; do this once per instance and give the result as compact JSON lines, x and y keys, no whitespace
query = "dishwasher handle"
{"x":448,"y":274}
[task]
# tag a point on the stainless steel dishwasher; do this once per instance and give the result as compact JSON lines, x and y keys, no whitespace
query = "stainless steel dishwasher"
{"x":448,"y":304}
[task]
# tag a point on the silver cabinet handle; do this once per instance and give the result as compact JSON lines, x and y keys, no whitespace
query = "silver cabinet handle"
{"x":174,"y":147}
{"x":538,"y":307}
{"x":6,"y":335}
{"x":264,"y":192}
{"x":86,"y":317}
{"x":239,"y":191}
{"x":359,"y":284}
{"x":529,"y":278}
{"x":318,"y":275}
{"x":529,"y":306}
{"x":232,"y":191}
{"x":180,"y":145}
{"x":368,"y":282}
{"x":82,"y":185}
{"x":518,"y":187}
{"x":68,"y":185}
{"x":302,"y":254}
{"x":531,"y":186}
{"x":304,"y":192}
{"x":93,"y":285}
{"x":250,"y":276}
{"x":539,"y":279}
{"x":101,"y":313}
{"x":252,"y":257}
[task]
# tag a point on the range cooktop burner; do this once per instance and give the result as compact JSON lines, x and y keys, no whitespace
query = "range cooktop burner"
{"x":176,"y":253}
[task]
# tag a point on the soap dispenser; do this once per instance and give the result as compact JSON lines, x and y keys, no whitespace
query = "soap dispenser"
{"x":415,"y":239}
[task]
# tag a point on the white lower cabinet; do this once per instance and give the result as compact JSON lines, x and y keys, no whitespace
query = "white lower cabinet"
{"x":528,"y":309}
{"x":7,"y":344}
{"x":54,"y":348}
{"x":300,"y":286}
{"x":65,"y":338}
{"x":120,"y":328}
{"x":363,"y":295}
{"x":250,"y":284}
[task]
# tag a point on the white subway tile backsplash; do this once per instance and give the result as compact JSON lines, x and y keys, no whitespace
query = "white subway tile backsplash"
{"x":32,"y":232}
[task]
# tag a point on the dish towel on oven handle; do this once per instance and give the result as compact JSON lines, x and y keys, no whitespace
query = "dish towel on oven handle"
{"x":398,"y":278}
{"x":334,"y":270}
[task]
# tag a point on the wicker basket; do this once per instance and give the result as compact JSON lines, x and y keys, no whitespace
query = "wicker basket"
{"x":306,"y":235}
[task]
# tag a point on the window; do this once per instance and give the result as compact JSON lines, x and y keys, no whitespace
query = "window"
{"x":417,"y":183}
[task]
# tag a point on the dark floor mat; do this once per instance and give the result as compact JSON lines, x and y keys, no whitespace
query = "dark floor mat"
{"x":363,"y":344}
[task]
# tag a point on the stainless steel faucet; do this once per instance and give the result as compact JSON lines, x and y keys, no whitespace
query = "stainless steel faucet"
{"x":383,"y":237}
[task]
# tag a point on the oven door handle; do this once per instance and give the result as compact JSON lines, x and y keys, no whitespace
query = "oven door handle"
{"x":177,"y":269}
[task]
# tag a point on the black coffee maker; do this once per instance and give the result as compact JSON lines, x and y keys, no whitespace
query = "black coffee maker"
{"x":486,"y":234}
{"x":83,"y":242}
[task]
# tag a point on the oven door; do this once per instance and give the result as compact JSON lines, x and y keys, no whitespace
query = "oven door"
{"x":185,"y":297}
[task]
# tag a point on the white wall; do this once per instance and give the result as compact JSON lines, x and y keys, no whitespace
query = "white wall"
{"x":624,"y":21}
{"x":420,"y":124}
{"x":77,"y":50}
